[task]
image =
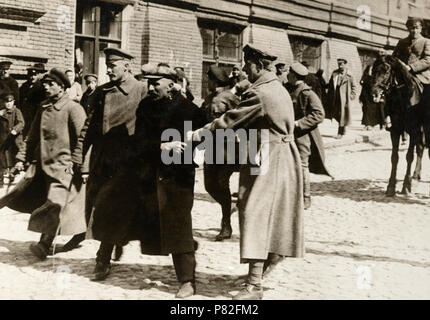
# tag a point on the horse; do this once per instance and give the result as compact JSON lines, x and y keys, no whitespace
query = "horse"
{"x":391,"y":81}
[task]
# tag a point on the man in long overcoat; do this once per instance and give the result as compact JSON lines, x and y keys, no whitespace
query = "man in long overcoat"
{"x":341,"y":92}
{"x":308,"y":112}
{"x":414,"y":51}
{"x":113,"y":204}
{"x":173,"y":183}
{"x":270,"y":191}
{"x":54,"y":199}
{"x":31,"y":94}
{"x":217,"y":176}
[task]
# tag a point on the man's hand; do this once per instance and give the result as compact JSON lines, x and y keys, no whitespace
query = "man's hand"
{"x":176,"y":146}
{"x":195,"y":135}
{"x":19,"y":166}
{"x":14,"y":132}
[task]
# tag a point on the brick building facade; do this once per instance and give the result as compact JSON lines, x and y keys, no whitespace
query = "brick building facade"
{"x":195,"y":33}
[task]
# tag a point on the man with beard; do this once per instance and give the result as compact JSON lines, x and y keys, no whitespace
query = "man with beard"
{"x":49,"y":192}
{"x":166,"y":109}
{"x":113,"y":190}
{"x":31,"y":94}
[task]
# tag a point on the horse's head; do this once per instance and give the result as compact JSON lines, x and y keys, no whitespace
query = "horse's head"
{"x":382,"y":75}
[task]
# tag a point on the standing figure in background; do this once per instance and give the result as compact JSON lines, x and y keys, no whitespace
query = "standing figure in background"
{"x":31,"y":95}
{"x":183,"y":81}
{"x":7,"y":83}
{"x":11,"y":126}
{"x":217,"y":176}
{"x":91,"y":83}
{"x":341,"y":93}
{"x":309,"y":113}
{"x":75,"y":91}
{"x":282,"y":72}
{"x":373,"y":113}
{"x":236,"y":76}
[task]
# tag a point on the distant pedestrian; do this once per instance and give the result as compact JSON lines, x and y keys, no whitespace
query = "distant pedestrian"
{"x":75,"y":90}
{"x":91,"y":83}
{"x":341,"y":93}
{"x":7,"y":82}
{"x":11,"y":126}
{"x":31,"y":95}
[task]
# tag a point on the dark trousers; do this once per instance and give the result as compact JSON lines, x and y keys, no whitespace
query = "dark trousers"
{"x":217,"y":184}
{"x":185,"y":266}
{"x":104,"y":253}
{"x":304,"y":145}
{"x":46,"y":240}
{"x":341,"y":130}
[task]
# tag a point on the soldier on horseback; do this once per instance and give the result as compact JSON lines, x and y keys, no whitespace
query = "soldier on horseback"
{"x":414,"y":51}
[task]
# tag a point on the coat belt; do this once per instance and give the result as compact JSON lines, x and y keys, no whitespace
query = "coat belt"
{"x":282,"y":139}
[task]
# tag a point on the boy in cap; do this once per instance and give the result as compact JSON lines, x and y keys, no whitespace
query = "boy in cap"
{"x":270,"y":204}
{"x":113,"y":206}
{"x":341,"y":92}
{"x":308,"y":112}
{"x":91,"y":83}
{"x":7,"y":83}
{"x":11,"y":125}
{"x":414,"y":51}
{"x":51,"y":139}
{"x":217,"y":176}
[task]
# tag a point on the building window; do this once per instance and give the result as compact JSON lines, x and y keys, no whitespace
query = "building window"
{"x":307,"y":50}
{"x":222,"y":44}
{"x":98,"y":26}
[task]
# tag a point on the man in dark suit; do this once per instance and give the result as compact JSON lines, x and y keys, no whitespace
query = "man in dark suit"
{"x":7,"y":83}
{"x":414,"y":51}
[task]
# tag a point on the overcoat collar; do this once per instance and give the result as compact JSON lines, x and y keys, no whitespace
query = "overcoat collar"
{"x":57,"y":105}
{"x":265,"y":78}
{"x":125,"y":87}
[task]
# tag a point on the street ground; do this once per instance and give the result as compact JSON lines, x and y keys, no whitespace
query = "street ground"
{"x":359,"y":245}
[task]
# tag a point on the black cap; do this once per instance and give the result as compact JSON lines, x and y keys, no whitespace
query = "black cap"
{"x":5,"y":63}
{"x":258,"y":51}
{"x":218,"y":75}
{"x":412,"y":20}
{"x":342,"y":59}
{"x":115,"y":54}
{"x":58,"y":76}
{"x":38,"y":68}
{"x":7,"y":94}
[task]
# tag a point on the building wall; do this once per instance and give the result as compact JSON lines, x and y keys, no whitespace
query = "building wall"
{"x":50,"y":38}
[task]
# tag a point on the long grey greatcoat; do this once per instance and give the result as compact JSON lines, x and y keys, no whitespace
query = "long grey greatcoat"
{"x":49,"y":145}
{"x":270,"y":204}
{"x":339,"y":99}
{"x":309,"y":112}
{"x":113,"y":199}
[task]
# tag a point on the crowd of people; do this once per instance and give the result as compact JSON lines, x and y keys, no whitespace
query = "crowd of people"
{"x":95,"y":160}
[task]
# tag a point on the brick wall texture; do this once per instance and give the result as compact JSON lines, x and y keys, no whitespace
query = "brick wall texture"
{"x":156,"y":33}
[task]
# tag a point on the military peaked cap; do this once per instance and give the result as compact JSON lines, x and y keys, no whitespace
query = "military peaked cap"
{"x":58,"y":76}
{"x":259,"y":52}
{"x":115,"y":54}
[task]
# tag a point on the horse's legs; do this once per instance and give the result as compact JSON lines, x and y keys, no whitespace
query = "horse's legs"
{"x":418,"y":166}
{"x":407,"y":182}
{"x":391,"y":188}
